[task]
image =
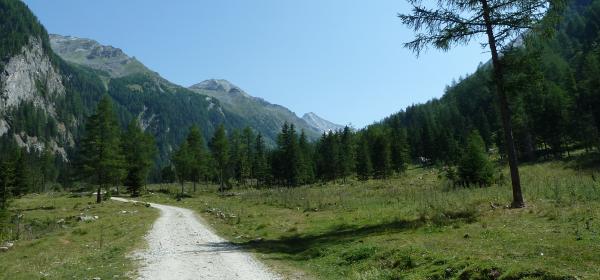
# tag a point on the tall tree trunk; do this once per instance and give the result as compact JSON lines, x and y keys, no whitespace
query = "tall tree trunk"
{"x":504,"y":110}
{"x":98,"y":195}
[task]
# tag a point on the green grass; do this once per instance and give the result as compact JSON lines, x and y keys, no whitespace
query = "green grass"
{"x":416,"y":227}
{"x":49,"y":249}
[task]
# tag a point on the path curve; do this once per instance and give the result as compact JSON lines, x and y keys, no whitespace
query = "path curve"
{"x":181,"y":246}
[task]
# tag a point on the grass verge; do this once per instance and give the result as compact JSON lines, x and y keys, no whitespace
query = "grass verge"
{"x":54,"y":244}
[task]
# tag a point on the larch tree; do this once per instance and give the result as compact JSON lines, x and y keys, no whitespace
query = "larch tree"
{"x":260,"y":166}
{"x":198,"y":155}
{"x":182,"y":160}
{"x":139,"y":149}
{"x":219,"y":148}
{"x":455,"y":22}
{"x":101,"y":158}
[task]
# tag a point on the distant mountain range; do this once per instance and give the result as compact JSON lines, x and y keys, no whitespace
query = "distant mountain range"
{"x":256,"y":111}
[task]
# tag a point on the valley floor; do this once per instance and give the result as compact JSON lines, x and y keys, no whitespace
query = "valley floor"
{"x":415,"y":227}
{"x":411,"y":227}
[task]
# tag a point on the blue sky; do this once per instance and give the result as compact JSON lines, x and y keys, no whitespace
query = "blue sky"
{"x":342,"y":59}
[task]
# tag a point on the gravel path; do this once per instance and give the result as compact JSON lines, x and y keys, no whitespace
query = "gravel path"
{"x":181,"y":246}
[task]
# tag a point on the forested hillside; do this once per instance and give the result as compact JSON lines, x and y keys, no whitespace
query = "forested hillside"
{"x":553,"y":88}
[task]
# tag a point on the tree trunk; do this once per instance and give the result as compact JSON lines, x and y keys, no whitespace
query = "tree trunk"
{"x":98,"y":195}
{"x":504,"y":111}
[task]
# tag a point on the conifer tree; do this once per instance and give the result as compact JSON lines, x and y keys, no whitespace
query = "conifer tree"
{"x":22,"y":174}
{"x":183,"y":161}
{"x":139,"y":150}
{"x":167,"y":174}
{"x":6,"y":182}
{"x":236,"y":155}
{"x":219,"y":148}
{"x":306,"y":172}
{"x":475,"y":166}
{"x":101,"y":158}
{"x":198,"y":154}
{"x":381,"y":160}
{"x":399,"y":150}
{"x":260,"y":165}
{"x":501,"y":21}
{"x":364,"y":168}
{"x":47,"y":167}
{"x":328,"y":164}
{"x":247,"y":154}
{"x":347,"y":153}
{"x":291,"y":160}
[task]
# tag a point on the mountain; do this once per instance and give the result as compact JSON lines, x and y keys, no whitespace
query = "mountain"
{"x":49,"y":84}
{"x":319,"y":123}
{"x":256,"y":111}
{"x":94,"y":55}
{"x":45,"y":98}
{"x":263,"y":116}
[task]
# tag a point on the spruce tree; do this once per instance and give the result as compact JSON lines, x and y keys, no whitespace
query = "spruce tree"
{"x":346,"y":158}
{"x":382,"y":161}
{"x":306,"y":170}
{"x":364,"y":168}
{"x":6,"y":182}
{"x":22,"y":174}
{"x":167,"y":174}
{"x":101,"y":158}
{"x":474,"y":166}
{"x":139,"y":150}
{"x":260,"y":164}
{"x":400,"y":150}
{"x":47,"y":167}
{"x":292,"y":161}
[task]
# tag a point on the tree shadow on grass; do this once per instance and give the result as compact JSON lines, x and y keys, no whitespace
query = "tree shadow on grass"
{"x":303,"y":247}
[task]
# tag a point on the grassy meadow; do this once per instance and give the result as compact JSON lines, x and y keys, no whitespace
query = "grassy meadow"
{"x":53,"y":244}
{"x":415,"y":226}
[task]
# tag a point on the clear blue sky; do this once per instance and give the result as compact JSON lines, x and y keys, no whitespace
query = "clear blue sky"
{"x":342,"y":59}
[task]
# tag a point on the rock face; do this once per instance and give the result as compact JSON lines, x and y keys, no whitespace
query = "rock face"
{"x":29,"y":77}
{"x":321,"y":124}
{"x":92,"y":54}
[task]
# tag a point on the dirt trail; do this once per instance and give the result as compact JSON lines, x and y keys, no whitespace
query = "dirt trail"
{"x":181,"y":246}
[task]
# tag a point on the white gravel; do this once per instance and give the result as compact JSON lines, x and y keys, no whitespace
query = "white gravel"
{"x":181,"y":246}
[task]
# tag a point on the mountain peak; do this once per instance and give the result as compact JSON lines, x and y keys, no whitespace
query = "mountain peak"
{"x":90,"y":53}
{"x":220,"y":85}
{"x":319,"y":123}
